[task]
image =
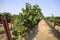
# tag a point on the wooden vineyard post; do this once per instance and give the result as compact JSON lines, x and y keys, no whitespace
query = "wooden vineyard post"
{"x":6,"y":27}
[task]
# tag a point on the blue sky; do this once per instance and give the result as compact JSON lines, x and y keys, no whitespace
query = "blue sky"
{"x":48,"y":7}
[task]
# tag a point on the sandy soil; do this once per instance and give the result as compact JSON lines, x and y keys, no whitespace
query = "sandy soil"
{"x":43,"y":32}
{"x":2,"y":33}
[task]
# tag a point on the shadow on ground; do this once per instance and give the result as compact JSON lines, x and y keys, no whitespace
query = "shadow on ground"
{"x":2,"y":32}
{"x":54,"y":31}
{"x":33,"y":33}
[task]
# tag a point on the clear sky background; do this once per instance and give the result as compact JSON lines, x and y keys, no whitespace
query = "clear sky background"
{"x":48,"y":7}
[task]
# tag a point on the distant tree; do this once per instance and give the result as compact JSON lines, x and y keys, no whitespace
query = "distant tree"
{"x":8,"y":16}
{"x":55,"y":20}
{"x":0,"y":17}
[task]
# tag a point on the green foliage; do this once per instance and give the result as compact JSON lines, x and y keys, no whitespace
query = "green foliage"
{"x":8,"y":16}
{"x":24,"y":22}
{"x":55,"y":20}
{"x":27,"y":20}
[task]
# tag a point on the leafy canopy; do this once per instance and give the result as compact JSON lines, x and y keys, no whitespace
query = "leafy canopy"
{"x":27,"y":20}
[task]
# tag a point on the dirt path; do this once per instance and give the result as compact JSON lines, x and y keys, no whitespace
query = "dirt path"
{"x":44,"y":32}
